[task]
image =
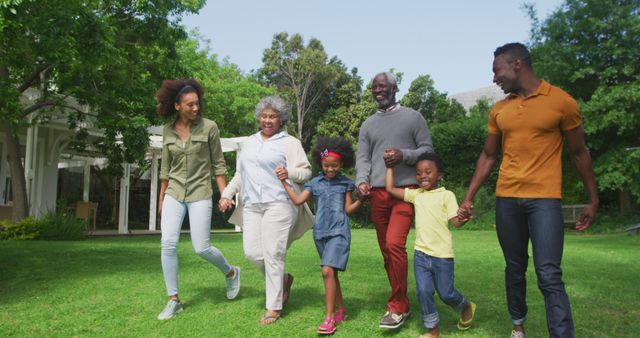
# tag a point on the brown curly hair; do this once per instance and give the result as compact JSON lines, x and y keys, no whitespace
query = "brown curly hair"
{"x":172,"y":91}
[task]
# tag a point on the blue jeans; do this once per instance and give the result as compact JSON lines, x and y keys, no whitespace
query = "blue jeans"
{"x":538,"y":219}
{"x":173,"y":213}
{"x":435,"y":274}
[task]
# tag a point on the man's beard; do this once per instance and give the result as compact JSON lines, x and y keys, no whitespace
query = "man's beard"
{"x":385,"y":103}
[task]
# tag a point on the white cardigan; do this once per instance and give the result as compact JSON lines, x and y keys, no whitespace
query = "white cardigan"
{"x":299,"y":170}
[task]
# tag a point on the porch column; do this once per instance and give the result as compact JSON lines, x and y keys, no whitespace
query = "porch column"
{"x":87,"y":181}
{"x":238,"y":150}
{"x":153,"y":199}
{"x":30,"y":163}
{"x":123,"y":214}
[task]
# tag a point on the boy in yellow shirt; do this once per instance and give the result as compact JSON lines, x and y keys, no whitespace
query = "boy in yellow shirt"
{"x":433,"y":261}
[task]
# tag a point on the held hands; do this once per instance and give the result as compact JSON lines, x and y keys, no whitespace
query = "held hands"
{"x":587,"y":217}
{"x":225,"y":204}
{"x":282,"y":173}
{"x":392,"y":157}
{"x":463,"y":221}
{"x":465,"y":211}
{"x":363,"y":191}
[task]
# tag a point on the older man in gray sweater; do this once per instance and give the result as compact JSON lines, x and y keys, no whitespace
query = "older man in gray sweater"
{"x":394,"y":136}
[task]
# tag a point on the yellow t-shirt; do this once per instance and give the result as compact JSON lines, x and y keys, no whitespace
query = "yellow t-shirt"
{"x":434,"y":208}
{"x":532,"y":135}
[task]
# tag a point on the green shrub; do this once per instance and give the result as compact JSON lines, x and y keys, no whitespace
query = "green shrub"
{"x":58,"y":226}
{"x":359,"y":223}
{"x":483,"y":202}
{"x":485,"y":221}
{"x":361,"y":219}
{"x":26,"y":229}
{"x":459,"y":144}
{"x":612,"y":221}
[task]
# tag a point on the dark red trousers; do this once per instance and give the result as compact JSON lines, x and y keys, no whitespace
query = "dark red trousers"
{"x":392,"y":219}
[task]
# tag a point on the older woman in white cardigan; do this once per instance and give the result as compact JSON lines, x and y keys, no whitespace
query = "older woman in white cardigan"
{"x":270,"y":220}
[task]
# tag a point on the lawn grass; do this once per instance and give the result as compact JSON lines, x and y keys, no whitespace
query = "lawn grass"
{"x":113,"y":287}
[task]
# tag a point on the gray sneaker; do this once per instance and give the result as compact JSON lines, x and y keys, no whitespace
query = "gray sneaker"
{"x":172,"y":309}
{"x":233,"y":283}
{"x":393,"y":320}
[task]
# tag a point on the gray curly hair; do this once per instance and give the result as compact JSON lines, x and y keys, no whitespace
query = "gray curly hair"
{"x":276,"y":104}
{"x":391,"y":78}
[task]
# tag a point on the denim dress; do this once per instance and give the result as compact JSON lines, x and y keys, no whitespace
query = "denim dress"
{"x":331,"y":232}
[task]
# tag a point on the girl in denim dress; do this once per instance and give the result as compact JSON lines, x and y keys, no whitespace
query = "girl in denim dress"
{"x":332,"y":194}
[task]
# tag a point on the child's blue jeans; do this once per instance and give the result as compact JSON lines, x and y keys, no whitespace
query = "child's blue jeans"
{"x":435,"y":274}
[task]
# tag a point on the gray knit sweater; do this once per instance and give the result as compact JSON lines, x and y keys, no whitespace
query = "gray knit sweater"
{"x":402,"y":128}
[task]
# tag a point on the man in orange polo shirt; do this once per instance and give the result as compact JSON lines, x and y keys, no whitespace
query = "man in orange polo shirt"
{"x":529,"y":125}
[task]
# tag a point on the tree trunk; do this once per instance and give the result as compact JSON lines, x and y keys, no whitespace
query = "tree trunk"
{"x":300,"y":112}
{"x":18,"y":182}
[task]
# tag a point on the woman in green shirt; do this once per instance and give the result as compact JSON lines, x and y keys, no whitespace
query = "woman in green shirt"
{"x":191,"y":157}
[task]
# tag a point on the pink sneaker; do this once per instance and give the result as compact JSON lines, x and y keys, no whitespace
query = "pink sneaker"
{"x":341,"y":315}
{"x":327,"y":327}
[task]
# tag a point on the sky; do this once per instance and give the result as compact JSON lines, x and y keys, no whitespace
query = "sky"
{"x":450,"y":40}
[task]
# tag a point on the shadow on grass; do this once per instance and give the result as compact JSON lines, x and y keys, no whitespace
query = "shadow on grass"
{"x":29,"y":266}
{"x":218,"y":295}
{"x":306,"y":297}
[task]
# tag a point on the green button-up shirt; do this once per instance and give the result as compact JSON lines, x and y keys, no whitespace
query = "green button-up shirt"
{"x":189,"y":166}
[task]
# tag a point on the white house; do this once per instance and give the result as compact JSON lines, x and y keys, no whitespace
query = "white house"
{"x":45,"y":149}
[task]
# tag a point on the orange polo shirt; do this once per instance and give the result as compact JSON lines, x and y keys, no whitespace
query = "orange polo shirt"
{"x":532,"y":136}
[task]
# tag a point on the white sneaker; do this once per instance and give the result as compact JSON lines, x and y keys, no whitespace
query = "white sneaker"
{"x":233,"y":283}
{"x":172,"y":309}
{"x":518,"y":334}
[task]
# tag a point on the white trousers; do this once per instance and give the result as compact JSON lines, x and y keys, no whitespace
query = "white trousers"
{"x":173,"y":213}
{"x":265,"y":232}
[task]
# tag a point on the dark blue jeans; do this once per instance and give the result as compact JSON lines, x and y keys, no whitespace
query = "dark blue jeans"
{"x":435,"y":274}
{"x":538,"y":219}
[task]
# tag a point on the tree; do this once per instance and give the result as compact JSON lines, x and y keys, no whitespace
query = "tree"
{"x":348,"y":87}
{"x":107,"y":56}
{"x":458,"y":143}
{"x":433,"y":105}
{"x":230,"y":96}
{"x":591,"y":49}
{"x":345,"y":121}
{"x":481,"y":109}
{"x":298,"y":71}
{"x":342,"y":96}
